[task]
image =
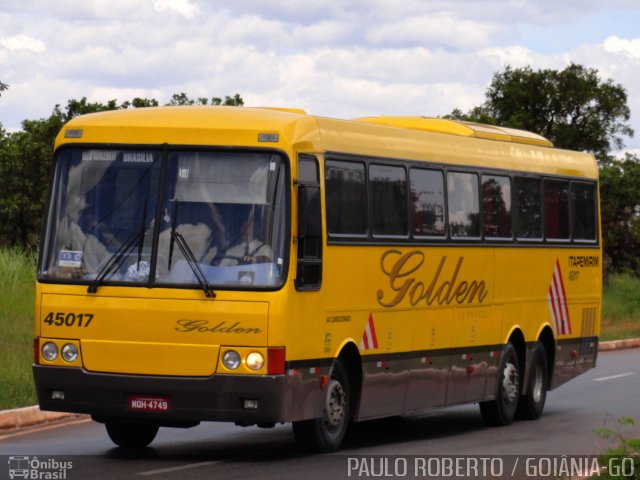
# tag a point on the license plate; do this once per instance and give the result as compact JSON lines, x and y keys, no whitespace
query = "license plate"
{"x":146,"y":403}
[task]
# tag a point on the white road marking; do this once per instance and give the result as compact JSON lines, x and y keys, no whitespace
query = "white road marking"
{"x":620,"y":375}
{"x":161,"y":471}
{"x":189,"y":466}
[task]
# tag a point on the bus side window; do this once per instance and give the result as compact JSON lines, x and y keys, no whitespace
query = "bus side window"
{"x":346,"y":199}
{"x":583,"y":196}
{"x":496,"y":206}
{"x":389,"y":213}
{"x":309,"y":268}
{"x":556,"y":209}
{"x":528,"y":218}
{"x":464,"y":205}
{"x":427,"y":203}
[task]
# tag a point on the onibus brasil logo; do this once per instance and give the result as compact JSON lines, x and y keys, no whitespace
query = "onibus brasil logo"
{"x":34,"y":468}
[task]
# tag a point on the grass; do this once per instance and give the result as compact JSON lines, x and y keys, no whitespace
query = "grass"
{"x":621,"y":308}
{"x":620,"y":319}
{"x":17,"y":271}
{"x":622,"y":461}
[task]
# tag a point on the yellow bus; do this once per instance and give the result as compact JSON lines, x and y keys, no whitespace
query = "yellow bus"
{"x":263,"y":266}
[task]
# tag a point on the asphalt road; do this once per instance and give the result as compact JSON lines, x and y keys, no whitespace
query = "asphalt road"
{"x":223,"y":451}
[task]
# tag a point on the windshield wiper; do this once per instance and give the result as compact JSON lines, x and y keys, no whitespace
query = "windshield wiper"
{"x":114,"y":262}
{"x":187,"y":253}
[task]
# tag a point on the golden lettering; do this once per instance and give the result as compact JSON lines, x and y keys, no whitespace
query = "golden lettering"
{"x":396,"y":274}
{"x":404,"y":282}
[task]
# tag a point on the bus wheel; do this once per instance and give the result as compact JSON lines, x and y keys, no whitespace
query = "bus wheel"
{"x":501,"y":411}
{"x":131,"y":434}
{"x":325,"y":434}
{"x":531,"y":404}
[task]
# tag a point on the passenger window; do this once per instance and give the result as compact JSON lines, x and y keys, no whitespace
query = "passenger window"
{"x":556,"y":209}
{"x":389,"y":216}
{"x":496,"y":206}
{"x":346,"y":198}
{"x":584,"y":211}
{"x":528,"y":219}
{"x":464,"y":205}
{"x":427,"y":203}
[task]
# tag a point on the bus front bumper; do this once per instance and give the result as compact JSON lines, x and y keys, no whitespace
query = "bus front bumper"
{"x":191,"y":400}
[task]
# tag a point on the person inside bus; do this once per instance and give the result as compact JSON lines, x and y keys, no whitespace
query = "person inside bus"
{"x":249,"y":249}
{"x":200,"y":225}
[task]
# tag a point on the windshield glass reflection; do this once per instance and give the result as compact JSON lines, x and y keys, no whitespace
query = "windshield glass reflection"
{"x":229,"y":211}
{"x":103,"y":205}
{"x":226,"y":209}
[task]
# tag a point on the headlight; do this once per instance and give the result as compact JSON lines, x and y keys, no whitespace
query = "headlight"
{"x":231,"y":359}
{"x":70,"y":352}
{"x":50,"y":351}
{"x":255,"y":361}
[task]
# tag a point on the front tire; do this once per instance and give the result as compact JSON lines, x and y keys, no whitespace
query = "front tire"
{"x":502,"y":410}
{"x":325,"y":434}
{"x":531,"y":404}
{"x":131,"y":434}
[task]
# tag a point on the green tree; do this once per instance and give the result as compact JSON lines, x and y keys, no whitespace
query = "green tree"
{"x":620,"y":212}
{"x":183,"y":99}
{"x":76,"y":108}
{"x":3,"y":87}
{"x":140,"y":103}
{"x":24,"y":177}
{"x":574,"y":107}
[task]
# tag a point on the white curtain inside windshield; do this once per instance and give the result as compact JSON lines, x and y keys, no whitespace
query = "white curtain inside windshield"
{"x":223,"y":218}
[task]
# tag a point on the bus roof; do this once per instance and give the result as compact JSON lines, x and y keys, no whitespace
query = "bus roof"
{"x":464,"y":129}
{"x":436,"y":140}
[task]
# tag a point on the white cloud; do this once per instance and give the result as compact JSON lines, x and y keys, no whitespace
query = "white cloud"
{"x":122,"y":94}
{"x":340,"y":59}
{"x":629,"y":48}
{"x":255,"y":30}
{"x":516,"y":56}
{"x":183,"y":7}
{"x":22,"y":42}
{"x":440,"y":29}
{"x":622,"y":153}
{"x":408,"y":65}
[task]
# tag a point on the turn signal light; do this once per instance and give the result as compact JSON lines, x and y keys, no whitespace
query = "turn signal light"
{"x":275,"y":360}
{"x":36,"y":351}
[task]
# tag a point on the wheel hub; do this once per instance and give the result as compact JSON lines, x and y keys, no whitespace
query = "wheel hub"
{"x":335,"y":405}
{"x":510,"y":383}
{"x":537,"y":385}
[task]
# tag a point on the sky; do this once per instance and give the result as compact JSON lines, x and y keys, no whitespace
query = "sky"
{"x":335,"y":58}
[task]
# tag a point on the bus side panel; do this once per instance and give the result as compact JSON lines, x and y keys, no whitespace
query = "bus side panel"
{"x":386,"y":371}
{"x":473,"y":362}
{"x":384,"y":387}
{"x":573,"y":315}
{"x":429,"y":376}
{"x":305,"y":390}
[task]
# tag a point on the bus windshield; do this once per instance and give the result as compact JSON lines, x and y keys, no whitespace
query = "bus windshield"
{"x":218,"y":217}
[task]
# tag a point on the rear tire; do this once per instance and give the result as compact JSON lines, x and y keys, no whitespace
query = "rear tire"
{"x":325,"y":434}
{"x":502,"y":409}
{"x":131,"y":434}
{"x":531,"y":404}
